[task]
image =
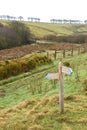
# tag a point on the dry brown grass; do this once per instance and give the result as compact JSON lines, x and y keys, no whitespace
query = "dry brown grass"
{"x":84,"y":82}
{"x":85,"y":105}
{"x":70,"y":97}
{"x":44,"y":101}
{"x":34,"y":114}
{"x":2,"y":123}
{"x":66,"y":127}
{"x":82,"y":120}
{"x":35,"y":127}
{"x":31,"y":112}
{"x":54,"y":100}
{"x":25,"y":104}
{"x":39,"y":116}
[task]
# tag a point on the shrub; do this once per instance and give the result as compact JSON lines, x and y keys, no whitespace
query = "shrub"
{"x":66,"y":64}
{"x":24,"y":67}
{"x":13,"y":68}
{"x":17,"y":66}
{"x":15,"y":34}
{"x":3,"y":72}
{"x":31,"y":64}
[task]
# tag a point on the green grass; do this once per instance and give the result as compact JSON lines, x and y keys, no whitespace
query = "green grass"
{"x":25,"y":109}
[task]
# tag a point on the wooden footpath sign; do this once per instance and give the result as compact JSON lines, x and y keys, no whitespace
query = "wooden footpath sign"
{"x":60,"y":76}
{"x":52,"y":76}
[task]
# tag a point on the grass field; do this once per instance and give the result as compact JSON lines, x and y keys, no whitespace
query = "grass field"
{"x":30,"y":101}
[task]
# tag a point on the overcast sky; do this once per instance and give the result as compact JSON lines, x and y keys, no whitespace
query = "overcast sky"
{"x":45,"y":9}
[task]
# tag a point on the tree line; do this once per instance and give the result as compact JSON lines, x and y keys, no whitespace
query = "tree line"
{"x":15,"y":34}
{"x":20,"y":18}
{"x":36,"y":19}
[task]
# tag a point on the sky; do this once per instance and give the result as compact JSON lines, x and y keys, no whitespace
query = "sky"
{"x":45,"y":9}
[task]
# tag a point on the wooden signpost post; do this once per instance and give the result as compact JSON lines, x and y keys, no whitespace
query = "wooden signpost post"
{"x":60,"y":76}
{"x":61,"y":89}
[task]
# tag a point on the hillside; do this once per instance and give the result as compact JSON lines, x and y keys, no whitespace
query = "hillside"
{"x":40,"y":30}
{"x":43,"y":29}
{"x":31,"y":102}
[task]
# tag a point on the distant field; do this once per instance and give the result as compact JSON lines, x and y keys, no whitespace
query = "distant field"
{"x":40,"y":30}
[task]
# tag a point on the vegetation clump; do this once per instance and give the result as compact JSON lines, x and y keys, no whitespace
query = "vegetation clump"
{"x":15,"y":34}
{"x":66,"y":64}
{"x":21,"y":65}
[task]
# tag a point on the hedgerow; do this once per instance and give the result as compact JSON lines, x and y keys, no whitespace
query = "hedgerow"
{"x":21,"y":65}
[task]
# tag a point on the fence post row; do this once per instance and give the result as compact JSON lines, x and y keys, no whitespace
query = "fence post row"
{"x":64,"y":52}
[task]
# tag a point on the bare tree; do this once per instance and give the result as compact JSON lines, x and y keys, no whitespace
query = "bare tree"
{"x":20,"y":18}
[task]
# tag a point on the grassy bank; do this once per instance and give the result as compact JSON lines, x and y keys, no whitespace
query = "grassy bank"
{"x":31,"y":102}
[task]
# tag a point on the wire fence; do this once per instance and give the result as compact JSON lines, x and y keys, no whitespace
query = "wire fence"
{"x":65,"y":53}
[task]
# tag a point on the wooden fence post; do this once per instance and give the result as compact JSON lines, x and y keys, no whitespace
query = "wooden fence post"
{"x":78,"y":50}
{"x":55,"y":54}
{"x":64,"y":53}
{"x":72,"y":52}
{"x":48,"y":54}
